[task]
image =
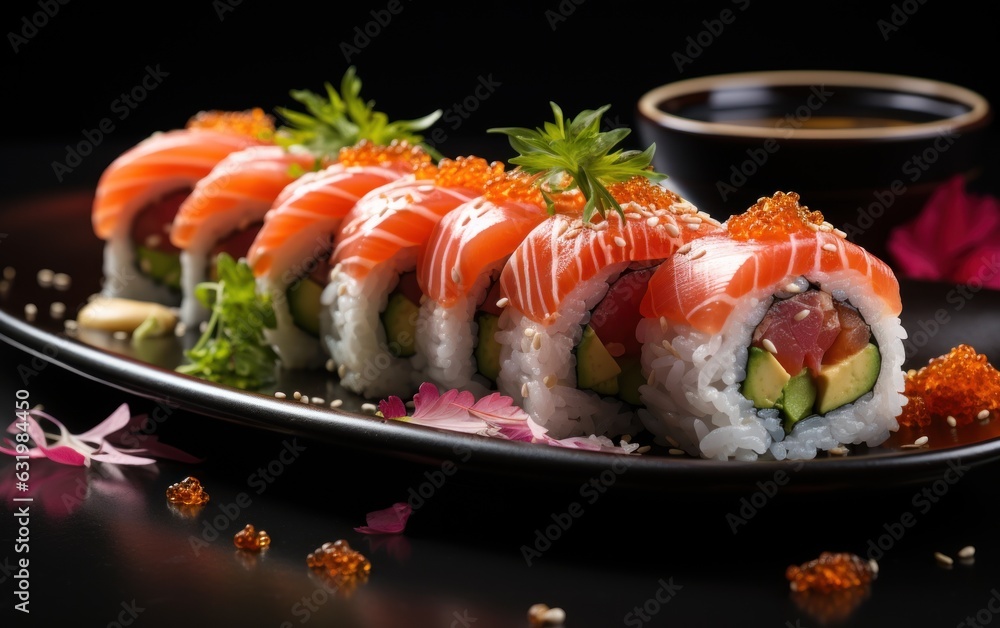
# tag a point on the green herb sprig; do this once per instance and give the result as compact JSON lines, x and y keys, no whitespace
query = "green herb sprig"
{"x":233,"y":350}
{"x":336,"y":120}
{"x":576,"y":154}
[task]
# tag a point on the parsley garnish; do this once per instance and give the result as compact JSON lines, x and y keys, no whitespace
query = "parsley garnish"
{"x":233,"y":349}
{"x":338,"y":120}
{"x":575,"y":154}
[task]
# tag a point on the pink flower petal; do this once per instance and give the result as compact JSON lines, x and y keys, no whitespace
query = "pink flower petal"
{"x":392,"y":408}
{"x":108,"y":453}
{"x":980,"y":267}
{"x":66,"y":455}
{"x":116,"y":421}
{"x":391,"y":520}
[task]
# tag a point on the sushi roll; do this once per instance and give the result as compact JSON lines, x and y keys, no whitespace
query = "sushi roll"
{"x":567,"y":335}
{"x":458,"y":275}
{"x":370,"y":306}
{"x":139,"y":193}
{"x":224,"y":212}
{"x":776,"y":338}
{"x":290,"y":255}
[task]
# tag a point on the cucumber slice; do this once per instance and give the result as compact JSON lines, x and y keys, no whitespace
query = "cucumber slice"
{"x":303,"y":304}
{"x":488,"y":349}
{"x":399,"y":319}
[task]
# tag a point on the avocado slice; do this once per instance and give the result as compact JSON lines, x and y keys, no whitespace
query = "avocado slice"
{"x":160,"y":266}
{"x":765,"y":379}
{"x":630,"y":380}
{"x":841,"y":383}
{"x":487,"y":348}
{"x":400,"y":322}
{"x":797,"y":400}
{"x":303,"y":304}
{"x":594,"y":364}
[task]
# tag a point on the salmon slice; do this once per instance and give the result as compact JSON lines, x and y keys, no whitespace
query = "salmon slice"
{"x":702,"y":287}
{"x":161,"y":164}
{"x":402,"y":216}
{"x":483,"y":233}
{"x":238,"y":191}
{"x":562,"y":252}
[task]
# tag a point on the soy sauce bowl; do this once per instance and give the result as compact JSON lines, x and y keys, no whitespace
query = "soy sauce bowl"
{"x":866,"y":149}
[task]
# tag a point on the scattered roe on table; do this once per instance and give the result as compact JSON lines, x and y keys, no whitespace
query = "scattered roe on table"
{"x":250,"y":538}
{"x":832,"y":571}
{"x":337,"y":561}
{"x":961,"y":384}
{"x":774,"y":217}
{"x":188,"y":492}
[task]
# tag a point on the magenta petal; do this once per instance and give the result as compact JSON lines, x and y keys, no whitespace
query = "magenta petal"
{"x":391,"y":520}
{"x":392,"y":408}
{"x":980,"y":267}
{"x":66,"y":455}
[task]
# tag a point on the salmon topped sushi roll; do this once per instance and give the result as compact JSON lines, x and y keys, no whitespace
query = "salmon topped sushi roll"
{"x":290,"y":255}
{"x":567,"y":345}
{"x":776,"y":337}
{"x":138,"y":195}
{"x":371,"y":305}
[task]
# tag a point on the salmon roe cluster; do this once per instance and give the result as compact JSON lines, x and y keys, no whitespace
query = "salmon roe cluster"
{"x":341,"y":563}
{"x":252,"y":123}
{"x":188,"y":492}
{"x":467,"y":172}
{"x":774,"y":217}
{"x":832,"y":571}
{"x":368,"y":153}
{"x":252,"y":539}
{"x":642,"y":191}
{"x":961,"y":384}
{"x":520,"y":187}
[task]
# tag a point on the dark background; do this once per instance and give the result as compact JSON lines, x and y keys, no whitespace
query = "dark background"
{"x":62,"y":78}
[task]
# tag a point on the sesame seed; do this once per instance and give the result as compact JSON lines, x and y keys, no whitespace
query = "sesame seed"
{"x":673,"y":451}
{"x":550,"y":380}
{"x":502,"y":302}
{"x":626,"y":438}
{"x":369,"y":408}
{"x":663,"y":323}
{"x":317,"y":400}
{"x":672,"y":229}
{"x":920,"y":442}
{"x":536,"y":342}
{"x":769,"y":346}
{"x":529,"y":332}
{"x":45,"y":277}
{"x":684,"y":250}
{"x":694,"y":226}
{"x":9,"y":272}
{"x":952,"y":422}
{"x":61,"y":281}
{"x":342,"y":371}
{"x":801,"y":315}
{"x":698,"y":253}
{"x":873,"y":565}
{"x":643,"y":449}
{"x":296,"y":395}
{"x":336,"y":403}
{"x":967,"y":552}
{"x":793,"y":288}
{"x":812,"y":226}
{"x":943,"y":559}
{"x":120,"y":335}
{"x":330,"y":365}
{"x":279,"y":395}
{"x":620,"y":241}
{"x":839,"y":451}
{"x":652,"y":221}
{"x":524,"y":389}
{"x":30,"y":311}
{"x":839,"y":233}
{"x":456,"y":276}
{"x":832,"y":248}
{"x":983,"y":414}
{"x":71,"y":325}
{"x":57,"y":309}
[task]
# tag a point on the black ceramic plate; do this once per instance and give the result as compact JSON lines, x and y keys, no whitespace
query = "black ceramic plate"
{"x":35,"y":238}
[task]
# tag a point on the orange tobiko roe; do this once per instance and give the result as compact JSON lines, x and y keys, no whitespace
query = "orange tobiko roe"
{"x":961,"y":384}
{"x":367,"y":153}
{"x":773,"y":218}
{"x":642,"y":191}
{"x":517,"y":186}
{"x":473,"y":173}
{"x":252,"y":123}
{"x":187,"y":492}
{"x":832,"y":571}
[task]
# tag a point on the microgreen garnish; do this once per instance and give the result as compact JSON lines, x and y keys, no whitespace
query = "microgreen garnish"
{"x":344,"y":119}
{"x":233,"y":349}
{"x":575,"y":154}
